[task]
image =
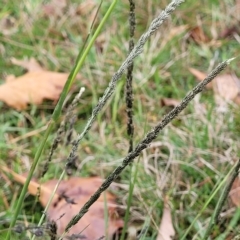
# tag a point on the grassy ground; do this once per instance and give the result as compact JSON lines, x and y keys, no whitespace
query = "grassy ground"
{"x":188,"y":158}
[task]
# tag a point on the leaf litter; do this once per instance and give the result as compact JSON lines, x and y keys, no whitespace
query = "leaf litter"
{"x":32,"y":87}
{"x":226,"y":87}
{"x":71,"y":195}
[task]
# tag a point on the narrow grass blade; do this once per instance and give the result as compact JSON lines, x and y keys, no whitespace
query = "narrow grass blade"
{"x":220,"y":186}
{"x":133,"y":179}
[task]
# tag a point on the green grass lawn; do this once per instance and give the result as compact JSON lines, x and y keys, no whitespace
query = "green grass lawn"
{"x":190,"y":156}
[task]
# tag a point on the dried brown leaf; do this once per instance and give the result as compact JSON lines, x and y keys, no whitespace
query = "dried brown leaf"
{"x":32,"y":87}
{"x":198,"y":74}
{"x":227,"y":86}
{"x":166,"y":229}
{"x":68,"y":200}
{"x":235,"y":192}
{"x":170,"y":102}
{"x":230,"y":31}
{"x":198,"y":35}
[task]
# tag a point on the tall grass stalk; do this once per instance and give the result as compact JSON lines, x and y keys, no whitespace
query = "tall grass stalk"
{"x":57,"y":112}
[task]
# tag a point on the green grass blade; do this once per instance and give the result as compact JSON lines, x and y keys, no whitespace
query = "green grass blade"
{"x":132,"y":182}
{"x":208,"y":201}
{"x":25,"y":186}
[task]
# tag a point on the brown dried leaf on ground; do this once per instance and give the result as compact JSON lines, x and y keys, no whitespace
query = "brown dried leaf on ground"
{"x":230,"y":31}
{"x":226,"y":86}
{"x":166,"y":230}
{"x":32,"y":87}
{"x":198,"y":35}
{"x":70,"y":197}
{"x":235,"y":192}
{"x":200,"y":76}
{"x":170,"y":102}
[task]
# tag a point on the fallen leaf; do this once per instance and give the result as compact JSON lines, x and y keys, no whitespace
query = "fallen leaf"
{"x":226,"y":86}
{"x":198,"y":35}
{"x":71,"y":195}
{"x":230,"y":31}
{"x":32,"y":87}
{"x":234,"y":194}
{"x":200,"y":76}
{"x":166,"y":229}
{"x":170,"y":102}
